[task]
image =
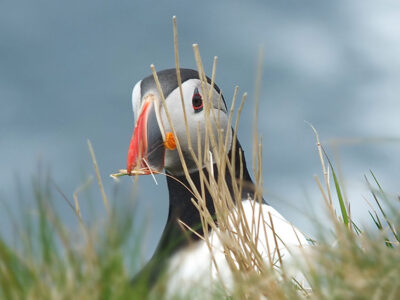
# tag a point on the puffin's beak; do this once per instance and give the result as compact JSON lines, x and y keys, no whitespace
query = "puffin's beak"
{"x":146,"y":150}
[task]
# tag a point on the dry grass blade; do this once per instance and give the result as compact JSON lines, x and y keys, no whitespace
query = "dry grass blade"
{"x":179,"y":79}
{"x":99,"y":181}
{"x":75,"y":196}
{"x":257,"y":96}
{"x":322,"y":160}
{"x":178,"y":145}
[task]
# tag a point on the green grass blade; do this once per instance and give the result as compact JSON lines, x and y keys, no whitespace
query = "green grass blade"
{"x":376,"y":220}
{"x":388,"y":222}
{"x":343,"y":209}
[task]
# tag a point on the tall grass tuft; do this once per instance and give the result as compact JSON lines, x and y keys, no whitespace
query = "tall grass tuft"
{"x":47,"y":258}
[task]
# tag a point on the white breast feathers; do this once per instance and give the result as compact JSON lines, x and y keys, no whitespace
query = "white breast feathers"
{"x":196,"y":272}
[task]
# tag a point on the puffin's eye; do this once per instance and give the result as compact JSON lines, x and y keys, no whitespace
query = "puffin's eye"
{"x":197,"y":101}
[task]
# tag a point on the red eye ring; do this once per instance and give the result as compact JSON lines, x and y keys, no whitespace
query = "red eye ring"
{"x":197,"y":101}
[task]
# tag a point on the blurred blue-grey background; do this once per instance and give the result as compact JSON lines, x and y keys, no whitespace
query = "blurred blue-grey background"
{"x":67,"y":69}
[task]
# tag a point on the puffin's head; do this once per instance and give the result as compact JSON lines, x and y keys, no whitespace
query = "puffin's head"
{"x":152,"y":145}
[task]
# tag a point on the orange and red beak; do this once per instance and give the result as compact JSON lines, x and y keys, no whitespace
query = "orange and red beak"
{"x":146,"y":150}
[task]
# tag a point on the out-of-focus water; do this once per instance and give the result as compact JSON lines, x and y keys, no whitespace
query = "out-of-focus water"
{"x":67,"y":69}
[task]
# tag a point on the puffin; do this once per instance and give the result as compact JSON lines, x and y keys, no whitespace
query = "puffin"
{"x":186,"y":263}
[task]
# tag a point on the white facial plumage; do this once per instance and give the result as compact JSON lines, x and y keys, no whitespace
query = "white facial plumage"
{"x":196,"y":120}
{"x":136,"y":100}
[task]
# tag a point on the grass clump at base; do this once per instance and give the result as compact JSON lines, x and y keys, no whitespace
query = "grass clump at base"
{"x":48,"y":260}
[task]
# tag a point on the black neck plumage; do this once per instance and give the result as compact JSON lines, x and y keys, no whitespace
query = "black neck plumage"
{"x":182,"y":210}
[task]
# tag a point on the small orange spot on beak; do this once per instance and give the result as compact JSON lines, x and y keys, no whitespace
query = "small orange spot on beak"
{"x":170,"y":141}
